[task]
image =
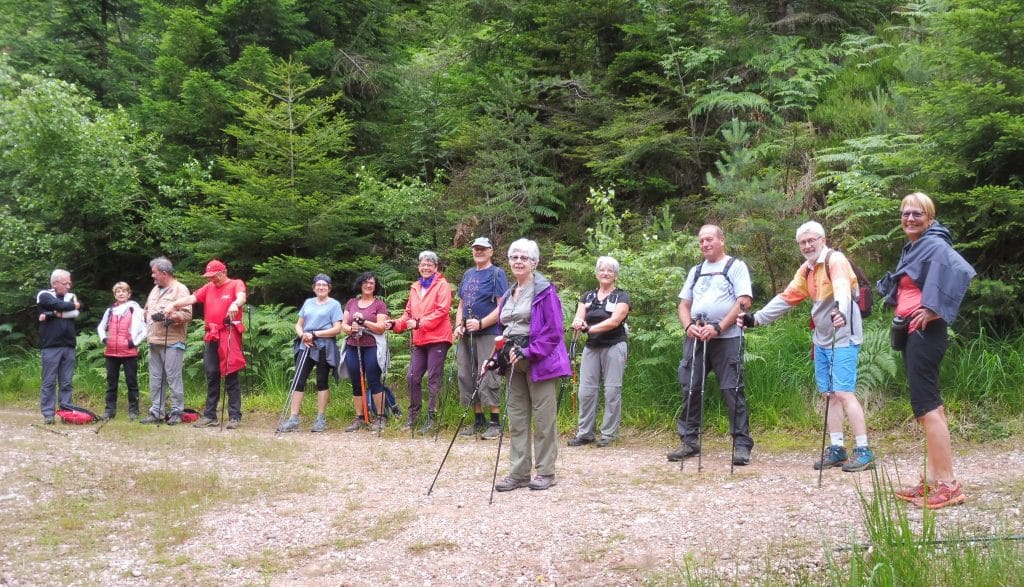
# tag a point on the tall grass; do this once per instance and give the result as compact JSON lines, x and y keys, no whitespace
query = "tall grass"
{"x":902,"y":551}
{"x":981,"y":378}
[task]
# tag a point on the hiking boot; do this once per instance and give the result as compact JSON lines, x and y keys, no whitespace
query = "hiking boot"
{"x":356,"y":424}
{"x":834,"y":456}
{"x":151,"y":419}
{"x":604,"y":441}
{"x":289,"y":425}
{"x":741,"y":456}
{"x":476,"y":429}
{"x":320,"y":424}
{"x":683,"y":452}
{"x":941,"y":495}
{"x":542,"y":482}
{"x":174,"y":419}
{"x":579,"y":441}
{"x":48,"y":421}
{"x":408,"y":425}
{"x":379,"y":424}
{"x":910,"y":493}
{"x":133,"y":414}
{"x":205,"y":422}
{"x":429,"y":425}
{"x":509,"y":483}
{"x":863,"y":459}
{"x":109,"y":415}
{"x":233,"y":424}
{"x":493,"y":431}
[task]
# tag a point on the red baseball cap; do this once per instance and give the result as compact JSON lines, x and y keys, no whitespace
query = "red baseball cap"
{"x":214,"y":267}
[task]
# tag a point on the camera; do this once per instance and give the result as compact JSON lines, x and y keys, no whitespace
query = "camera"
{"x":360,"y":321}
{"x":159,"y":317}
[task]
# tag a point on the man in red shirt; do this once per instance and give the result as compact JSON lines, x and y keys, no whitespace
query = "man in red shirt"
{"x":222,"y":300}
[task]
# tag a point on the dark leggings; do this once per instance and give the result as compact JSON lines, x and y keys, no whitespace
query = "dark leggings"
{"x":131,"y":369}
{"x":323,"y":370}
{"x":371,"y":369}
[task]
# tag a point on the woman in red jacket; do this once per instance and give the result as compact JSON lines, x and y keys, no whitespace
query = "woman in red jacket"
{"x":121,"y":330}
{"x":428,"y":315}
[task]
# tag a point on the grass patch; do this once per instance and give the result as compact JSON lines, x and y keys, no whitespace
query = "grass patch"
{"x":419,"y":548}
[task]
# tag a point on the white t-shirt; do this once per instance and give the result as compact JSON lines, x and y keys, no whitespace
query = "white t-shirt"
{"x":713,"y":296}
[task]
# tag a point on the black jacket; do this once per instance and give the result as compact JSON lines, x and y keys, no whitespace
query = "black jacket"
{"x":55,"y":332}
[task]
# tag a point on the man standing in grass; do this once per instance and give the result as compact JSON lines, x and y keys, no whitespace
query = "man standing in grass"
{"x":58,"y":309}
{"x":222,"y":300}
{"x":828,"y":280}
{"x":168,"y":330}
{"x":708,"y":306}
{"x":479,"y":290}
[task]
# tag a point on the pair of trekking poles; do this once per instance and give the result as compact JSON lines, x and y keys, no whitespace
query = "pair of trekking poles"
{"x":701,"y":320}
{"x":491,"y":364}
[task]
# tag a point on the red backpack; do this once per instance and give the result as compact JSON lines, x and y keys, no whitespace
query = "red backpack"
{"x":72,"y":414}
{"x":864,"y":296}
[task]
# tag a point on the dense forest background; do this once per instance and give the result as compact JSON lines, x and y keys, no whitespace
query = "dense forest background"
{"x":290,"y":137}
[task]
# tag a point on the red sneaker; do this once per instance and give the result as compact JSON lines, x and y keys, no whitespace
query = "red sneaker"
{"x":941,"y":495}
{"x":910,"y":493}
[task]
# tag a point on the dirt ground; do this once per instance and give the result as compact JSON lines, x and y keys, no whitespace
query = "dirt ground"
{"x":141,"y":505}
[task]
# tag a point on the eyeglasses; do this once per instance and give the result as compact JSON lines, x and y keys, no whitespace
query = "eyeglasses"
{"x":808,"y":241}
{"x":912,"y":214}
{"x":515,"y":258}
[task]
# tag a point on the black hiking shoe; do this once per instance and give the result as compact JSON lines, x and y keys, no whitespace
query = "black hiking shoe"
{"x":579,"y":441}
{"x":741,"y":456}
{"x":683,"y":452}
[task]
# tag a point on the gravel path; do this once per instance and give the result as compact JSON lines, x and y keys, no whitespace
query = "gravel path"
{"x":352,"y":509}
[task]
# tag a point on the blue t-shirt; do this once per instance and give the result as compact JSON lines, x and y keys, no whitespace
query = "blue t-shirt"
{"x":320,"y":316}
{"x":479,"y":291}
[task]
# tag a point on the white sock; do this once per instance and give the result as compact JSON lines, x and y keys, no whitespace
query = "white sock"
{"x":837,"y":438}
{"x":861,"y":440}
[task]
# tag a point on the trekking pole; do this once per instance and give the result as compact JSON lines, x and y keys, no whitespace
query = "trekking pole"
{"x":440,"y":397}
{"x":50,"y":430}
{"x":828,"y":402}
{"x":473,"y":358}
{"x":732,"y":416}
{"x":703,"y":384}
{"x":301,"y":364}
{"x":248,"y":328}
{"x":491,"y":364}
{"x":689,"y":391}
{"x":501,"y":433}
{"x":572,"y":361}
{"x":164,"y":383}
{"x":362,"y":381}
{"x":224,"y":375}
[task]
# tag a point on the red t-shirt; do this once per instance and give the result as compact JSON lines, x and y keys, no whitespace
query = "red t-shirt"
{"x":217,"y":299}
{"x":908,"y":298}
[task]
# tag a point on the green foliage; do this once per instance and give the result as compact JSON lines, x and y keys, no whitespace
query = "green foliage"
{"x":73,"y":192}
{"x":282,"y":212}
{"x":752,"y":210}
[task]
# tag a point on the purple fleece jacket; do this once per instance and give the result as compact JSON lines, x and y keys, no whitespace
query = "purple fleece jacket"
{"x":546,"y":351}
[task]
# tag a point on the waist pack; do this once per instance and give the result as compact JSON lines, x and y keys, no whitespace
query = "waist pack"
{"x":72,"y":414}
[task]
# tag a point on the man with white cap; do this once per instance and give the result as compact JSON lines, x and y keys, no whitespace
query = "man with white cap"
{"x":479,"y":290}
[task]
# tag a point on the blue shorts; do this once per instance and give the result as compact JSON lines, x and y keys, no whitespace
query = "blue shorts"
{"x":844,"y":370}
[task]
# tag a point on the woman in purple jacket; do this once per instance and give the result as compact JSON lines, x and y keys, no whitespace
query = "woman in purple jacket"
{"x":531,"y":315}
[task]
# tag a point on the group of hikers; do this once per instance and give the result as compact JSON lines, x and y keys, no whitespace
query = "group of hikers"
{"x":511,"y":331}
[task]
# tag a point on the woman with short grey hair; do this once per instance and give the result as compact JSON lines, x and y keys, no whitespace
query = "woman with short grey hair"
{"x":531,"y":316}
{"x":601,"y":313}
